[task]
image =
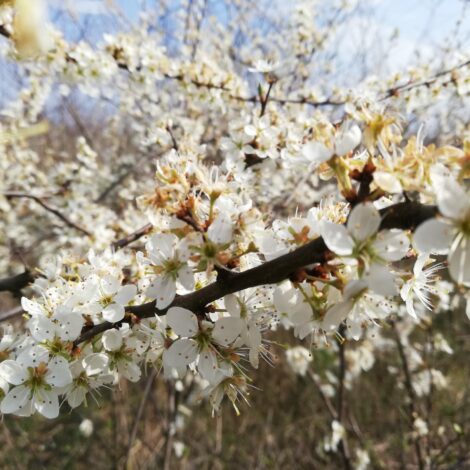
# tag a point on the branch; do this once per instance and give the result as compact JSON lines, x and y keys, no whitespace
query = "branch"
{"x":45,"y":205}
{"x":395,"y":91}
{"x":16,"y":283}
{"x":132,"y":237}
{"x":12,"y":313}
{"x":412,"y":407}
{"x":405,"y":215}
{"x":20,"y":281}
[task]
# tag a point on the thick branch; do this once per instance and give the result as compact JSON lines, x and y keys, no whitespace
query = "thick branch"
{"x":405,"y":215}
{"x":16,"y":283}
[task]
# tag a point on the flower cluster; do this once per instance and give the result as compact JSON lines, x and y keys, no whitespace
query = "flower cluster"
{"x":255,"y":216}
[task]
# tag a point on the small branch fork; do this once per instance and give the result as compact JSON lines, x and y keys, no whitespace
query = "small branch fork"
{"x":405,"y":215}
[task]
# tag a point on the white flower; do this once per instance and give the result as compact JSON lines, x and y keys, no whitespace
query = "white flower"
{"x":34,"y":385}
{"x":86,"y":427}
{"x":168,"y":258}
{"x":420,"y":426}
{"x":359,"y":239}
{"x":250,"y":308}
{"x":299,"y":359}
{"x":31,"y":32}
{"x":46,"y":324}
{"x":88,"y":375}
{"x":110,"y":298}
{"x":337,"y":435}
{"x":112,"y":340}
{"x":362,"y":459}
{"x":221,"y":230}
{"x":358,"y":307}
{"x":346,"y":140}
{"x":420,"y":285}
{"x":195,"y":343}
{"x":450,"y":234}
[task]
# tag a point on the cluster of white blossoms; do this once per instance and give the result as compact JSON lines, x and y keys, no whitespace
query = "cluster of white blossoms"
{"x":330,"y":229}
{"x":207,"y":233}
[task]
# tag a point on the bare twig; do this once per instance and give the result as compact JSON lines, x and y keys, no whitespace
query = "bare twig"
{"x":264,"y":100}
{"x":343,"y":445}
{"x":143,"y":401}
{"x":412,"y":407}
{"x":48,"y":208}
{"x":132,"y":237}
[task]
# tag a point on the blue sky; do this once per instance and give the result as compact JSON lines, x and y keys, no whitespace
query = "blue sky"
{"x":424,"y":25}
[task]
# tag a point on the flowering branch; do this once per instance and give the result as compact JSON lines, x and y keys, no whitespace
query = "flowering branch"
{"x":405,"y":215}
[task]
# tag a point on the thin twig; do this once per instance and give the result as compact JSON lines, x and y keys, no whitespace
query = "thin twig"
{"x":143,"y":401}
{"x":132,"y":237}
{"x":412,"y":407}
{"x":48,"y":208}
{"x":340,"y":407}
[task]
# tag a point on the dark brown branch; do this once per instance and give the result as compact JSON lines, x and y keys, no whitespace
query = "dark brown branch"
{"x":20,"y":281}
{"x":264,"y":100}
{"x":405,"y":215}
{"x":48,"y":208}
{"x":16,"y":283}
{"x":132,"y":237}
{"x":173,"y":139}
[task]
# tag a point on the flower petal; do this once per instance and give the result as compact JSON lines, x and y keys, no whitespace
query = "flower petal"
{"x":41,"y":328}
{"x":336,"y":314}
{"x":433,"y":236}
{"x":164,"y":243}
{"x":163,"y":289}
{"x":316,"y":153}
{"x":226,"y":330}
{"x":452,"y":200}
{"x":459,"y":262}
{"x":221,"y":230}
{"x":388,"y":182}
{"x":207,"y":366}
{"x":181,"y":353}
{"x":391,"y":245}
{"x":186,"y":277}
{"x":58,"y":375}
{"x":363,"y":221}
{"x":47,"y":403}
{"x":113,"y":313}
{"x":15,"y":399}
{"x":112,"y":340}
{"x":69,"y":325}
{"x":336,"y":238}
{"x":125,"y":294}
{"x":381,"y":280}
{"x":12,"y":372}
{"x":182,"y":321}
{"x":110,"y":285}
{"x":347,"y":140}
